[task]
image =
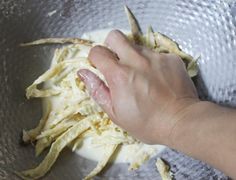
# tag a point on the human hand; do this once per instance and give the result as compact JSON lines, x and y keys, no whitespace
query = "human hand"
{"x":147,"y":92}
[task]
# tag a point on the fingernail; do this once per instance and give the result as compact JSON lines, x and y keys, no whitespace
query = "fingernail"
{"x":86,"y":79}
{"x":81,"y":75}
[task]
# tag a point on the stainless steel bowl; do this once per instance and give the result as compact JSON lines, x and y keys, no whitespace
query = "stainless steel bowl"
{"x":205,"y":28}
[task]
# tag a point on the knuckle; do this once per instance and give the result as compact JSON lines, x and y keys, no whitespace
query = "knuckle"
{"x":173,"y":56}
{"x":163,"y":61}
{"x":161,"y":56}
{"x":122,"y":75}
{"x":145,"y":63}
{"x":116,"y":36}
{"x":93,"y":52}
{"x":176,"y":58}
{"x":141,"y":60}
{"x":114,"y":33}
{"x":171,"y":59}
{"x":96,"y":49}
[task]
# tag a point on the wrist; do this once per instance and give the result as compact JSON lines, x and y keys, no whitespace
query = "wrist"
{"x":187,"y":122}
{"x":163,"y":124}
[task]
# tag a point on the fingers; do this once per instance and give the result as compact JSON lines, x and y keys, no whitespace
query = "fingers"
{"x":119,"y":43}
{"x":104,"y":60}
{"x":97,"y":89}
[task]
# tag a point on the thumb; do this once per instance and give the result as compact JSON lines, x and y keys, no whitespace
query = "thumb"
{"x":97,"y":90}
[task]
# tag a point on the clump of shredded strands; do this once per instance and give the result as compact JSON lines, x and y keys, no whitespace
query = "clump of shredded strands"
{"x":77,"y":116}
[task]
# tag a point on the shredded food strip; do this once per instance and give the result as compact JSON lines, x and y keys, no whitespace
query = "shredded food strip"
{"x":109,"y":150}
{"x":57,"y":147}
{"x":58,"y":41}
{"x":163,"y":169}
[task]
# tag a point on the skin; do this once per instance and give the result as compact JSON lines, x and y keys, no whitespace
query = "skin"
{"x":151,"y":96}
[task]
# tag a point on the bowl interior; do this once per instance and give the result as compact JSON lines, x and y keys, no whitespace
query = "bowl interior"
{"x":204,"y":29}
